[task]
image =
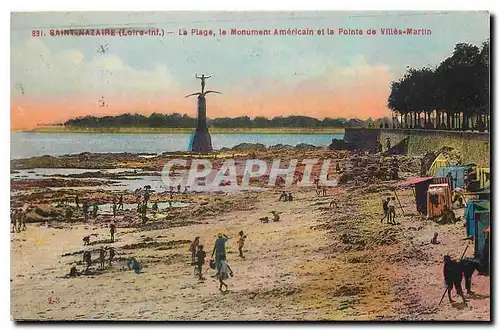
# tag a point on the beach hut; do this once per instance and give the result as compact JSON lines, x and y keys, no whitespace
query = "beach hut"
{"x":456,"y":173}
{"x":440,"y":162}
{"x":438,"y":196}
{"x":420,"y":186}
{"x":471,"y":212}
{"x":483,"y":175}
{"x":481,"y":224}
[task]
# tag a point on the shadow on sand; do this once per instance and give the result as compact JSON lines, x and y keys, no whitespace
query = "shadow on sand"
{"x":476,"y":296}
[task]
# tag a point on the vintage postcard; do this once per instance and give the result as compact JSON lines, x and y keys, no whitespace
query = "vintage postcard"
{"x":250,"y":166}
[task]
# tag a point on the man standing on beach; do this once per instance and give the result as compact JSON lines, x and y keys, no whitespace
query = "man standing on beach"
{"x":87,"y":258}
{"x":13,"y":220}
{"x":95,"y":208}
{"x":77,"y":202}
{"x":112,"y":229}
{"x":85,"y":211}
{"x":219,"y":250}
{"x":112,"y":254}
{"x":200,"y":260}
{"x":102,"y":257}
{"x":146,"y":196}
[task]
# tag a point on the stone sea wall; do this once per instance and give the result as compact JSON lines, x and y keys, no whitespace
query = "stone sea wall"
{"x":474,"y":146}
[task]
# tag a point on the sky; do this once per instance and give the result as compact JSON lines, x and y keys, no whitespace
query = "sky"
{"x":55,"y":78}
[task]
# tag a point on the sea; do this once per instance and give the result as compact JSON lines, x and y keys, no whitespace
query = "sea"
{"x":31,"y":144}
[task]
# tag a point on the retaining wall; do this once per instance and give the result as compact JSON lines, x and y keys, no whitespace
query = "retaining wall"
{"x":474,"y":146}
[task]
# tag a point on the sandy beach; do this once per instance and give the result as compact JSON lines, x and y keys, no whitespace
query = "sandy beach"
{"x":317,"y":263}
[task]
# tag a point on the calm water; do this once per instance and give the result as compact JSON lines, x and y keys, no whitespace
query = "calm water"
{"x":25,"y":145}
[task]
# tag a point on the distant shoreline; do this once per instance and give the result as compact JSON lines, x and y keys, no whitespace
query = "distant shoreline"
{"x":58,"y":129}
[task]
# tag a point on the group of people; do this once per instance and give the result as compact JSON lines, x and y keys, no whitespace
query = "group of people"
{"x":17,"y":220}
{"x":389,"y":209}
{"x":142,"y":204}
{"x":218,"y":258}
{"x":117,"y":205}
{"x":86,"y":209}
{"x":87,"y":257}
{"x":320,"y":189}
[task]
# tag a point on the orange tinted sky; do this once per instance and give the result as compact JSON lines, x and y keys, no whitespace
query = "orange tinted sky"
{"x":57,"y":78}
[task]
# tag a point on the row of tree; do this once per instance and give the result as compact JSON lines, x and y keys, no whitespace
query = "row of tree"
{"x":157,"y":120}
{"x":454,"y":95}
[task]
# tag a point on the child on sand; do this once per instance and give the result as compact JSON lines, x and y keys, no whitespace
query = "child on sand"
{"x":241,"y":243}
{"x":194,"y":245}
{"x":224,"y":273}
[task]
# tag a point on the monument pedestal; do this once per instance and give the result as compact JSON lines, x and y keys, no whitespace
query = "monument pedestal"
{"x":201,"y":141}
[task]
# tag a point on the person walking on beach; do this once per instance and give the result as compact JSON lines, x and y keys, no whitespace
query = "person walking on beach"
{"x":112,"y":230}
{"x":85,"y":208}
{"x":143,"y":211}
{"x":194,"y":246}
{"x":112,"y":254}
{"x":22,"y":220}
{"x":224,"y":273}
{"x":385,"y":208}
{"x":87,"y":258}
{"x":77,"y":201}
{"x":392,"y":211}
{"x":241,"y":243}
{"x":146,"y":196}
{"x":120,"y":202}
{"x":95,"y":209}
{"x":19,"y":215}
{"x":200,"y":260}
{"x":219,"y":250}
{"x":102,"y":257}
{"x":316,"y":185}
{"x":13,"y":220}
